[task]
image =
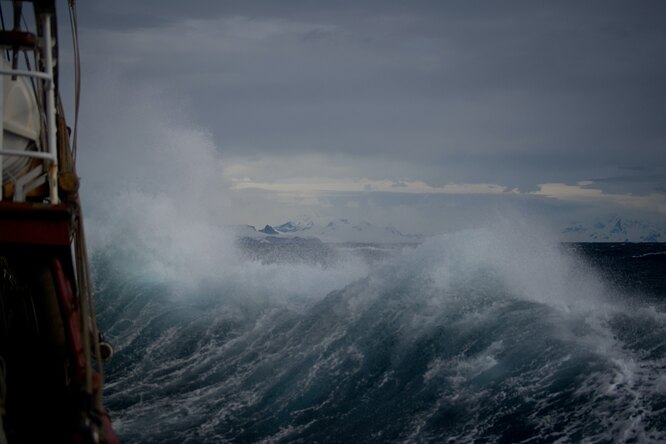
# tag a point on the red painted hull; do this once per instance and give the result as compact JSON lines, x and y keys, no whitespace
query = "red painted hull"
{"x":36,"y":248}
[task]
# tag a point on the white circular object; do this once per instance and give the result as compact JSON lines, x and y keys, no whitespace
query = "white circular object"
{"x":21,"y":123}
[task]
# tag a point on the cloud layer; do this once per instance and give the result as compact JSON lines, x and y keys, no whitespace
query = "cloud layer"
{"x":519,"y":99}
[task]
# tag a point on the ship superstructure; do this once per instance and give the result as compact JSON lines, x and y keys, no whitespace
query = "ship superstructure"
{"x":51,"y":353}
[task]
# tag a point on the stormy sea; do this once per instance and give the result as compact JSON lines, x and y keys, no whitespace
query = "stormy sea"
{"x":486,"y":335}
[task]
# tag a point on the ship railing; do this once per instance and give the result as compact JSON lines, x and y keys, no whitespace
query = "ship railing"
{"x":35,"y":177}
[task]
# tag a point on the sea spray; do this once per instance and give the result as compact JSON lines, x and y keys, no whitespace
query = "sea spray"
{"x":474,"y":335}
{"x":497,"y":334}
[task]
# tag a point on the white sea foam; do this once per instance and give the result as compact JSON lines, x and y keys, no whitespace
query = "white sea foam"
{"x":155,"y":195}
{"x":518,"y":311}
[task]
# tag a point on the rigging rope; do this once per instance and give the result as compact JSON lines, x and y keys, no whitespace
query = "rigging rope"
{"x":86,"y":290}
{"x":77,"y":73}
{"x":89,"y":323}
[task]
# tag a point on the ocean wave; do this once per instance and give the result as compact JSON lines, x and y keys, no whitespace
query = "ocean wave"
{"x":480,"y":335}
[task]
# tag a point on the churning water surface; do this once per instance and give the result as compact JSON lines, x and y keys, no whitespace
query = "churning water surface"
{"x":482,"y":335}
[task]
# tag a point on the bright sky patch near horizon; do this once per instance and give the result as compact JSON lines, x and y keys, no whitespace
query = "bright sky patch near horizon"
{"x":427,"y":115}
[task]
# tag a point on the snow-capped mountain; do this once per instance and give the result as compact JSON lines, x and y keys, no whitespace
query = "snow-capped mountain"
{"x":268,"y":230}
{"x":338,"y":231}
{"x":342,"y":230}
{"x":615,"y":229}
{"x":292,"y":227}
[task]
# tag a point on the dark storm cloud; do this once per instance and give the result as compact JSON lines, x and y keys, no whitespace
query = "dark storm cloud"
{"x":517,"y":93}
{"x":641,"y":180}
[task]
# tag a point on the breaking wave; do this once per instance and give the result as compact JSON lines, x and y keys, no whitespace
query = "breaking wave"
{"x":480,"y":335}
{"x":486,"y":335}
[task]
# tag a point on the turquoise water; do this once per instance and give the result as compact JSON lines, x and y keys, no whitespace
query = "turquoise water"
{"x":471,"y":337}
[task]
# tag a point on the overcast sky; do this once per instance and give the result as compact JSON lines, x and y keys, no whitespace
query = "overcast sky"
{"x":424,"y":114}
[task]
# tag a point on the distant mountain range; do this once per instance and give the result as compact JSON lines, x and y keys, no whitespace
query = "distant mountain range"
{"x":336,"y":231}
{"x":615,"y":229}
